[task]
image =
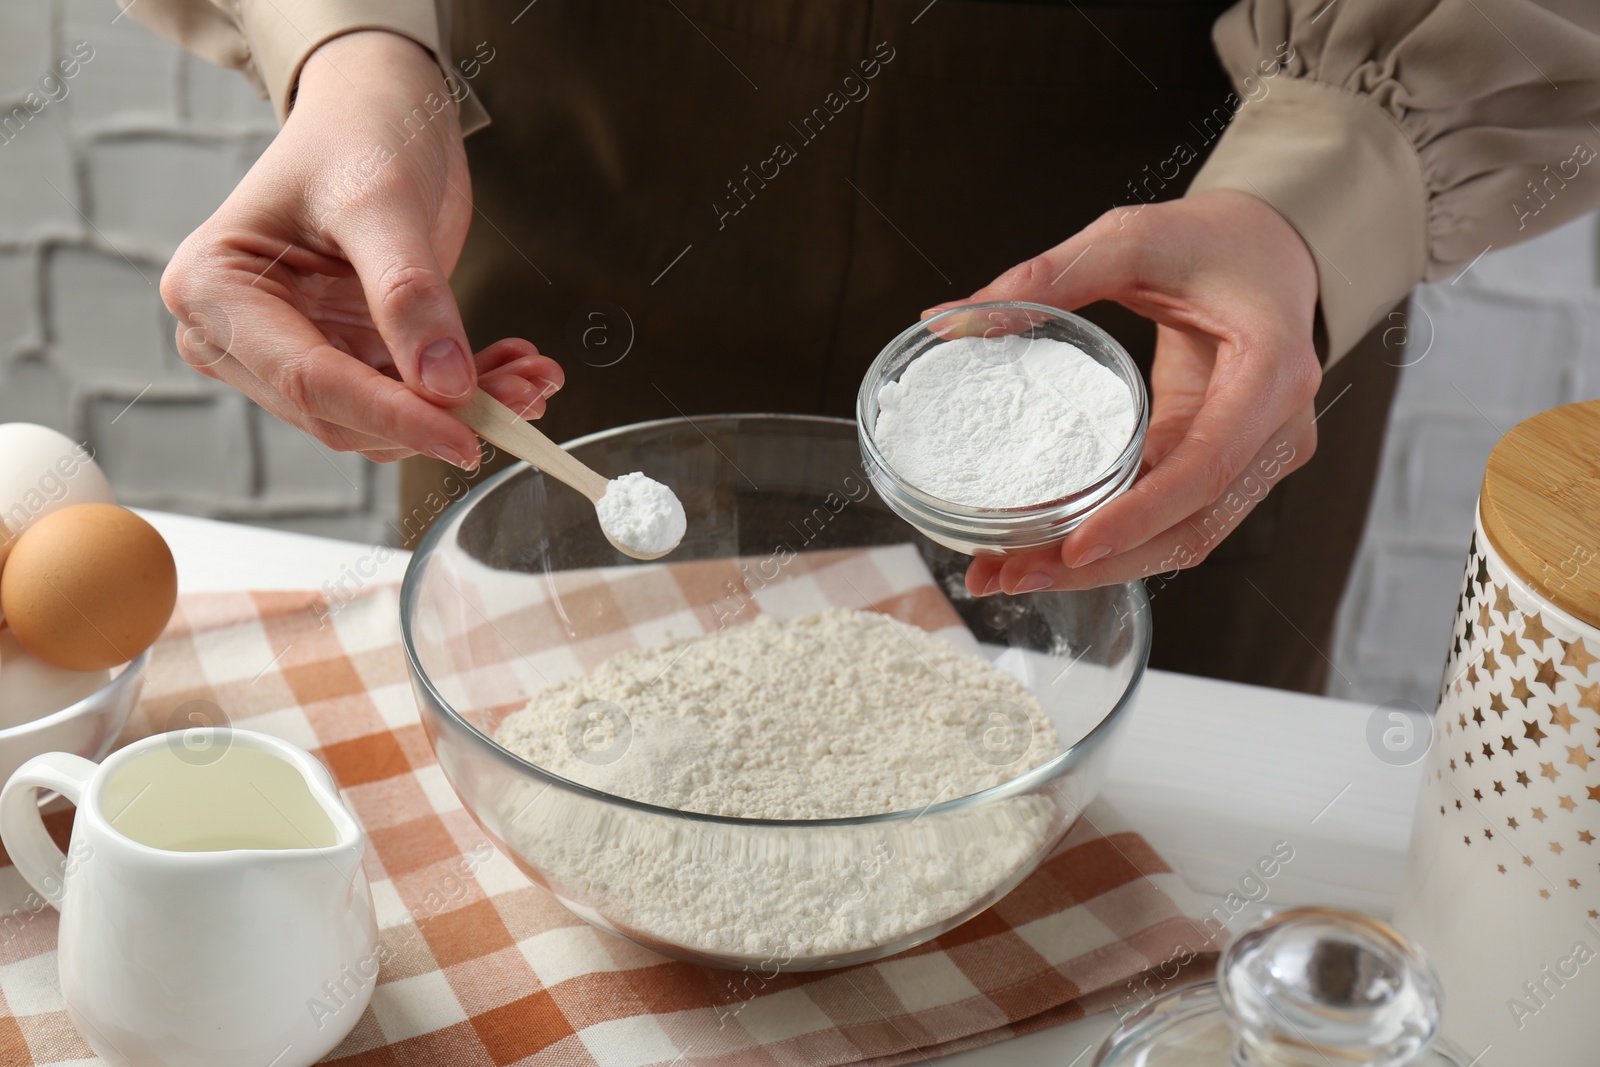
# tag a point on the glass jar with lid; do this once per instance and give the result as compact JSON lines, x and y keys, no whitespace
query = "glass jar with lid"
{"x":1307,"y":987}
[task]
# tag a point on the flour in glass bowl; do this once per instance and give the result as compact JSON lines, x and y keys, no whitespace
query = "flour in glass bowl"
{"x":1003,"y":422}
{"x":830,"y":715}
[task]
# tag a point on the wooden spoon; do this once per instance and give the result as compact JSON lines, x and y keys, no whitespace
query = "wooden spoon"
{"x":505,"y":429}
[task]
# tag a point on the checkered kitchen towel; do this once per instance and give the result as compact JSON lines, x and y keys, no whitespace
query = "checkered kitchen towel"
{"x":483,"y":967}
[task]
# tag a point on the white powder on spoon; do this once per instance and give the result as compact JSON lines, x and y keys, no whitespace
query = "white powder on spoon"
{"x":1003,"y":422}
{"x":642,"y":514}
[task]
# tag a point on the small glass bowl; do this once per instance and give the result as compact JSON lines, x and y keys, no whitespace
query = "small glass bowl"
{"x":978,"y":531}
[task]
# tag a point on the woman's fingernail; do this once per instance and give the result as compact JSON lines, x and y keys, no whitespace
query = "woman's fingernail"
{"x":546,"y":387}
{"x":516,"y":394}
{"x":1090,"y":555}
{"x":445,"y":370}
{"x":452,"y":457}
{"x":1031,"y":583}
{"x":992,"y":586}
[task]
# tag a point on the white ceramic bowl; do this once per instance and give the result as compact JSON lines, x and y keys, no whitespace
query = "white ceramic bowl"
{"x":88,"y":728}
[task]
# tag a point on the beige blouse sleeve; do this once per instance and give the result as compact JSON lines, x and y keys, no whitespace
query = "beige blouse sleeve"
{"x":269,"y":40}
{"x":1403,"y":139}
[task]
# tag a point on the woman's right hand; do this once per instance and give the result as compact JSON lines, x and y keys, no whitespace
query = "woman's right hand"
{"x":320,"y":286}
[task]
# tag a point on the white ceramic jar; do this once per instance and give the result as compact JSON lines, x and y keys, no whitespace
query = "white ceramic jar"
{"x":1503,"y":881}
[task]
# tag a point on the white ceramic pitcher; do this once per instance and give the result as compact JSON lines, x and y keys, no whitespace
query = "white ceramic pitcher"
{"x":214,"y":908}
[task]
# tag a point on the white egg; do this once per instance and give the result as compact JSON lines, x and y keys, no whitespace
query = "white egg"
{"x":43,"y":470}
{"x":31,"y":689}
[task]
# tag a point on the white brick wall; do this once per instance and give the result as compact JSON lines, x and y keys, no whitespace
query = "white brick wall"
{"x":98,"y":189}
{"x":1517,"y":333}
{"x":95,"y":193}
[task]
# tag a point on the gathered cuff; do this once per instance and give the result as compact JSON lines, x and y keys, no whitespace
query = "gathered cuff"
{"x":282,"y":34}
{"x":1346,"y":177}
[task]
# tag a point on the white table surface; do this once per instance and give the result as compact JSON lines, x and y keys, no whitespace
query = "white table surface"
{"x":1213,"y":774}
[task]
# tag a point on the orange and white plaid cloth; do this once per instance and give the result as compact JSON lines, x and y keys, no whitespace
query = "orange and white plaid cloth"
{"x":484,"y":968}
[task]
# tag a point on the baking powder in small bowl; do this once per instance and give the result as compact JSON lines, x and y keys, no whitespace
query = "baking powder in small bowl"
{"x":999,"y":427}
{"x":1003,"y":422}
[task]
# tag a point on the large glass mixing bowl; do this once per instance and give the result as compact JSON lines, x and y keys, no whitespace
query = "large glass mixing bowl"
{"x":515,"y":588}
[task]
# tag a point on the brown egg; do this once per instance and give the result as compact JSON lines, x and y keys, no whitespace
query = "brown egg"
{"x":88,"y":587}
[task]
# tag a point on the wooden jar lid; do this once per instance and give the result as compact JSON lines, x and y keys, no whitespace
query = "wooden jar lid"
{"x":1540,"y":505}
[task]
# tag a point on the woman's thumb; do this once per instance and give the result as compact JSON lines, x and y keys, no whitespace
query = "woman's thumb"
{"x":409,"y":298}
{"x":1100,"y":262}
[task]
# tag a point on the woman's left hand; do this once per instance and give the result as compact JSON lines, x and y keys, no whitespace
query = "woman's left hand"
{"x":1232,"y":289}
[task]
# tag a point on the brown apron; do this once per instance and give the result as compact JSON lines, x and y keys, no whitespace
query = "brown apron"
{"x":707,"y":206}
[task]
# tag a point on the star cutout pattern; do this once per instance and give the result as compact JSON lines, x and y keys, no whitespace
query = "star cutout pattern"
{"x":1515,"y":677}
{"x":1560,"y":716}
{"x":1573,"y":654}
{"x":1503,"y":602}
{"x":1533,"y":629}
{"x":1546,"y":673}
